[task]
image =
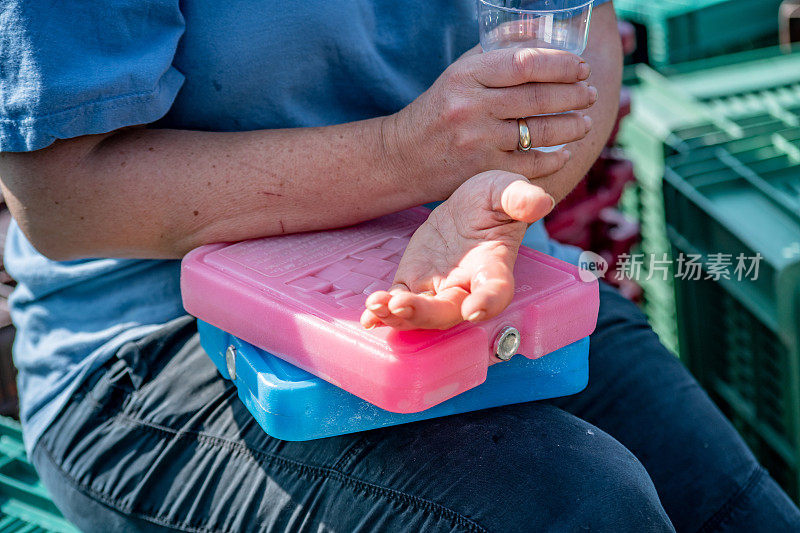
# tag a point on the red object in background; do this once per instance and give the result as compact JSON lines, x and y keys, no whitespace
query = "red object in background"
{"x":789,"y":15}
{"x":602,"y":187}
{"x":628,"y":288}
{"x":609,"y":174}
{"x":628,"y":35}
{"x":612,"y":232}
{"x":583,"y":218}
{"x":588,"y":217}
{"x":9,"y":405}
{"x":572,"y":228}
{"x":615,"y":234}
{"x":624,"y":103}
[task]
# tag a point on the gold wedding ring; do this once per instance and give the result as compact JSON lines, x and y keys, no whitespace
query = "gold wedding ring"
{"x":524,"y":135}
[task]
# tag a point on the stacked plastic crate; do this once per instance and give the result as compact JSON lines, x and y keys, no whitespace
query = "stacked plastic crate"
{"x":727,"y":136}
{"x":646,"y":138}
{"x":24,"y":502}
{"x":674,"y":31}
{"x":704,"y":103}
{"x":671,"y":32}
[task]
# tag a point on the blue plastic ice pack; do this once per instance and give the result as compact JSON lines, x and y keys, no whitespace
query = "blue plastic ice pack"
{"x":291,"y":404}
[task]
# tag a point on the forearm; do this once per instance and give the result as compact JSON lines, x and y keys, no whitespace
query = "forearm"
{"x":152,"y":193}
{"x":604,"y":55}
{"x":159,"y":193}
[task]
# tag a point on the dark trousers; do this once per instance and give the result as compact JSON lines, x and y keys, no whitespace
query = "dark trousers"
{"x":157,"y":440}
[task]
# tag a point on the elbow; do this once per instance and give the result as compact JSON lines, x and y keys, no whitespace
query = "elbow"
{"x":52,"y":231}
{"x":48,"y":242}
{"x":54,"y":253}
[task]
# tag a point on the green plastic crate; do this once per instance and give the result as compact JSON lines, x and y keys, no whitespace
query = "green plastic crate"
{"x":748,"y":371}
{"x":675,"y":31}
{"x":741,"y":338}
{"x":700,"y":105}
{"x":646,"y":206}
{"x":706,"y":103}
{"x":25,"y":505}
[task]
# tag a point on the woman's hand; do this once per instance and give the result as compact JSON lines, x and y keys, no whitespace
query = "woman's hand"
{"x":466,"y":123}
{"x":459,"y":264}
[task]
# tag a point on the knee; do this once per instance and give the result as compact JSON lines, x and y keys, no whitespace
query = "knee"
{"x":612,"y":490}
{"x":564,"y":474}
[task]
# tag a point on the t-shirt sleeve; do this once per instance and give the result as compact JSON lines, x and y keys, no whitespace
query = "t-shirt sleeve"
{"x":76,"y":68}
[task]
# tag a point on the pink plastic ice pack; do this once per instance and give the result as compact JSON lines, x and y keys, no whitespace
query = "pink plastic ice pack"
{"x":300,"y":297}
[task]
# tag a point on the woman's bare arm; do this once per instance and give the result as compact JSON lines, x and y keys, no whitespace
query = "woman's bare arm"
{"x":157,"y":193}
{"x":154,"y":193}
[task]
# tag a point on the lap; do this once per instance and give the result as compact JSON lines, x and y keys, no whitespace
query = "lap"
{"x":160,"y":439}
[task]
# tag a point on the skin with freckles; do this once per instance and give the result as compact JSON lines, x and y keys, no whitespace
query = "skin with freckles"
{"x":175,"y":190}
{"x":459,"y":264}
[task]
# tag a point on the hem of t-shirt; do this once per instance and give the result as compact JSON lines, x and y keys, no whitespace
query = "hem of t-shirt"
{"x":31,"y":133}
{"x":35,"y":424}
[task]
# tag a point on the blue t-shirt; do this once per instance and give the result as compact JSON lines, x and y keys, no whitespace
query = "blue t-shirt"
{"x":74,"y":68}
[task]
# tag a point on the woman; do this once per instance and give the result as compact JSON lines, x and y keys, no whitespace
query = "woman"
{"x":266,"y":118}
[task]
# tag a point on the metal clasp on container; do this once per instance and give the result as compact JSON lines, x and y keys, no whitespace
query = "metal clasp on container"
{"x":230,"y":360}
{"x":507,"y":343}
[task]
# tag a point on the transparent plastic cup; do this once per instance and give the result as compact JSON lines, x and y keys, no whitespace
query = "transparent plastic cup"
{"x":555,"y":24}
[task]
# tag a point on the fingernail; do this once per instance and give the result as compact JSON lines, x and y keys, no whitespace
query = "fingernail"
{"x":374,"y":307}
{"x":584,"y":70}
{"x":588,"y":121}
{"x":593,"y":91}
{"x":568,"y":154}
{"x":552,"y":202}
{"x":401,"y":310}
{"x":477,"y":315}
{"x":371,"y":326}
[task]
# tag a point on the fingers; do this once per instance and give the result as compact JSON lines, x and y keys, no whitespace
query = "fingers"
{"x":513,"y":195}
{"x":405,"y":310}
{"x":547,"y":130}
{"x":535,"y":164}
{"x":377,"y":309}
{"x":380,"y":313}
{"x":440,"y":311}
{"x":523,"y":201}
{"x":552,"y":130}
{"x":491,"y":290}
{"x":541,"y":99}
{"x":517,"y":66}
